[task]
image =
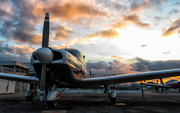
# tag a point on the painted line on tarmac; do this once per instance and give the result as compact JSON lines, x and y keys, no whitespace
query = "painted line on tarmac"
{"x":120,"y":104}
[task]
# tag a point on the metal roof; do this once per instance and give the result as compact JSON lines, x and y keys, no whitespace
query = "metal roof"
{"x":13,"y":63}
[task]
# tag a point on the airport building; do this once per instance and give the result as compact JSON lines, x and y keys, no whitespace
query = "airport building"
{"x":13,"y":67}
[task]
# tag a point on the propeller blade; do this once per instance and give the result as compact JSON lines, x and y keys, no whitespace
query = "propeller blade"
{"x":42,"y":82}
{"x":45,"y":39}
{"x":45,"y":42}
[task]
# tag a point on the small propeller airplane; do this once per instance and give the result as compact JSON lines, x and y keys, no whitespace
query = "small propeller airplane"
{"x":173,"y":83}
{"x":66,"y":68}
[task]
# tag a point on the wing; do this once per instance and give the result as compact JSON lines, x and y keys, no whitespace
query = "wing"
{"x":93,"y":82}
{"x":19,"y":78}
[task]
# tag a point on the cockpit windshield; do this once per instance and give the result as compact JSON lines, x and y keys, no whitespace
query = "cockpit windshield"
{"x":77,"y":54}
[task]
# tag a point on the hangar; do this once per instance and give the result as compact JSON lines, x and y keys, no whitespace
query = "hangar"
{"x":13,"y":67}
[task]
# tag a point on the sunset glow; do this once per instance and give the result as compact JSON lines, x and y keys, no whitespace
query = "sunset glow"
{"x":116,"y":36}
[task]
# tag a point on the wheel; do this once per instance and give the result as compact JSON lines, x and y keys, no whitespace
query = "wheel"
{"x":113,"y":100}
{"x":52,"y":105}
{"x":30,"y":98}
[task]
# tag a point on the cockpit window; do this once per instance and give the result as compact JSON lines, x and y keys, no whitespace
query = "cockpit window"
{"x":74,"y":52}
{"x":77,"y":54}
{"x":174,"y":80}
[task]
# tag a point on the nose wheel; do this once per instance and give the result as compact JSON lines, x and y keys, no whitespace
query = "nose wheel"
{"x":113,"y":100}
{"x":52,"y":105}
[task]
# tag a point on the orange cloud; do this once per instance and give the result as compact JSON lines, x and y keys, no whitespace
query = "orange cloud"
{"x":62,"y":32}
{"x":121,"y":24}
{"x":128,"y":20}
{"x":109,"y":34}
{"x":135,"y":19}
{"x":178,"y":32}
{"x":57,"y":47}
{"x":68,"y":9}
{"x":22,"y":49}
{"x":117,"y":57}
{"x":173,"y":28}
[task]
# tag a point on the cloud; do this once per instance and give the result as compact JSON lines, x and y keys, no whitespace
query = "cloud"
{"x":16,"y":52}
{"x":21,"y":32}
{"x":109,"y":34}
{"x":5,"y":9}
{"x":130,"y":19}
{"x":20,"y":26}
{"x":176,"y":4}
{"x":173,"y":28}
{"x":140,"y":5}
{"x":57,"y":47}
{"x":166,"y":52}
{"x":115,"y":5}
{"x":159,"y":18}
{"x":143,"y":45}
{"x":61,"y":32}
{"x":112,"y":32}
{"x":22,"y":49}
{"x":117,"y":57}
{"x":68,"y":9}
{"x":135,"y":65}
{"x":121,"y":24}
{"x":19,"y":19}
{"x":173,"y":11}
{"x":147,"y":65}
{"x":102,"y":68}
{"x":5,"y":47}
{"x":135,"y":19}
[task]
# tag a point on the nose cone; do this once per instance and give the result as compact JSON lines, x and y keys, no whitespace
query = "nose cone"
{"x":44,"y":55}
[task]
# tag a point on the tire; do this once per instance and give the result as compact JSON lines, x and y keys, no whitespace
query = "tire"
{"x":113,"y":100}
{"x":52,"y":105}
{"x":29,"y":98}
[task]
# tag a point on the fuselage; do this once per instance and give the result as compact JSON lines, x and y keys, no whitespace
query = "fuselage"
{"x":173,"y":83}
{"x":66,"y":69}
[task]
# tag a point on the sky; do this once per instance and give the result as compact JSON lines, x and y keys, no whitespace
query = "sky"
{"x":116,"y":36}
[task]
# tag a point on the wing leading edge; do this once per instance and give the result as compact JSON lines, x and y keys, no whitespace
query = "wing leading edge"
{"x":93,"y":82}
{"x":19,"y":78}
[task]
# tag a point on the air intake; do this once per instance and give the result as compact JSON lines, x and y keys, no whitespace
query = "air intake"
{"x":57,"y":55}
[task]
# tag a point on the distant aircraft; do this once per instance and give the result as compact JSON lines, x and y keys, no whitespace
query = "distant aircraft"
{"x":66,"y":68}
{"x":148,"y":87}
{"x":173,"y":83}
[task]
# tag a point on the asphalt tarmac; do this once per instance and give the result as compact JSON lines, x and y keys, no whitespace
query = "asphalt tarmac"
{"x":154,"y":102}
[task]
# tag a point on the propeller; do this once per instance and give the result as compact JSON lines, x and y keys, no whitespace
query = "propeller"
{"x":44,"y":55}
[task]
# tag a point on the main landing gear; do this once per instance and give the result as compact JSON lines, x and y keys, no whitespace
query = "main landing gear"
{"x":31,"y":93}
{"x":111,"y":94}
